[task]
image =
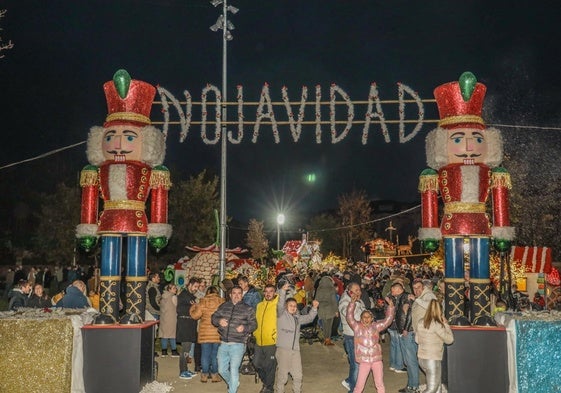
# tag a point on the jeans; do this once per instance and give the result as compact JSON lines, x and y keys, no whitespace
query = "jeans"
{"x":172,"y":343}
{"x":230,"y":357}
{"x":396,"y":358}
{"x":409,"y":351}
{"x":349,"y":345}
{"x":209,"y":361}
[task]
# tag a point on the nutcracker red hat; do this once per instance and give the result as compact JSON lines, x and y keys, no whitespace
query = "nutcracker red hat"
{"x":129,"y":101}
{"x":460,"y":103}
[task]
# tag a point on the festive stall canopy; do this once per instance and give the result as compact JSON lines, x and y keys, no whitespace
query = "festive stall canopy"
{"x":205,"y":263}
{"x":536,"y":259}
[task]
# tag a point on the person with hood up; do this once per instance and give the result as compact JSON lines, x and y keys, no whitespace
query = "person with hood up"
{"x":326,"y":295}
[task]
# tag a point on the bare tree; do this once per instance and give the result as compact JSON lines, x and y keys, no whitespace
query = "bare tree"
{"x":256,"y":240}
{"x":354,"y":212}
{"x":4,"y":46}
{"x":323,"y":228}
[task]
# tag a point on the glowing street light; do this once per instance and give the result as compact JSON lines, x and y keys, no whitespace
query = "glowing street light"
{"x":280,"y":221}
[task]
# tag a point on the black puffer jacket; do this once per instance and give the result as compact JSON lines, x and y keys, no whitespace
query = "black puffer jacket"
{"x":402,"y":319}
{"x":236,"y":315}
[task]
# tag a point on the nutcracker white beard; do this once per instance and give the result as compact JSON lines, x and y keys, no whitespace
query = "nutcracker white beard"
{"x":117,"y":182}
{"x":153,"y":148}
{"x":436,"y":144}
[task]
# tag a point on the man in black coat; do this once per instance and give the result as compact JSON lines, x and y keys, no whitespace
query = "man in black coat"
{"x":19,"y":295}
{"x":186,"y":332}
{"x":235,"y":321}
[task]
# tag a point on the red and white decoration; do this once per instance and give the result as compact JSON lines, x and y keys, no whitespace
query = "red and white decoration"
{"x":536,"y":259}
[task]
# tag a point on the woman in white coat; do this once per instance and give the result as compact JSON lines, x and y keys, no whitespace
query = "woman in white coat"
{"x":432,"y":333}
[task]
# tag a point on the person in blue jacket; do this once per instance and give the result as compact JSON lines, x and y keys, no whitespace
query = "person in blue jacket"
{"x":75,"y":296}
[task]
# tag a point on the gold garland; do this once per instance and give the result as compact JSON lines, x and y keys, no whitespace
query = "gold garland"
{"x":161,"y":179}
{"x":89,"y":177}
{"x":127,"y":116}
{"x":428,"y":183}
{"x":501,"y":179}
{"x":124,"y":205}
{"x":460,"y":119}
{"x":136,"y":278}
{"x":464,"y":207}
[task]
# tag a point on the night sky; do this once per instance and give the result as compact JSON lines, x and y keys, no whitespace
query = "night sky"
{"x":65,"y":50}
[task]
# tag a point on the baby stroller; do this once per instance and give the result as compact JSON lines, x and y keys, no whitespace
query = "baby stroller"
{"x":310,"y":333}
{"x":247,"y":367}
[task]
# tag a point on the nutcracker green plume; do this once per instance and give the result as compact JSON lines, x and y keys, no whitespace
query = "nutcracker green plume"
{"x":467,"y":85}
{"x":122,"y":81}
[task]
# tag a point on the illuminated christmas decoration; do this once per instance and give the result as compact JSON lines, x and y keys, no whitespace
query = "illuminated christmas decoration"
{"x":265,"y":113}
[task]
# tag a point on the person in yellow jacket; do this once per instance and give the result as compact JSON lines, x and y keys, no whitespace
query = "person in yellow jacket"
{"x":266,"y":338}
{"x":300,"y":295}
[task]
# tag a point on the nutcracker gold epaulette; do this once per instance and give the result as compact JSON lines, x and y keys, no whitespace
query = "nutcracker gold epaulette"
{"x":89,"y":176}
{"x":500,"y":178}
{"x":160,"y":178}
{"x":428,"y":180}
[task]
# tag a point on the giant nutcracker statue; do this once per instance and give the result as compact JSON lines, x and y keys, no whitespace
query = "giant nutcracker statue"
{"x":125,"y":157}
{"x":464,"y":157}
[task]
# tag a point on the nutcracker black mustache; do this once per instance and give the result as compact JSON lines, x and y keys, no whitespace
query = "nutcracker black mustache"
{"x":119,"y":152}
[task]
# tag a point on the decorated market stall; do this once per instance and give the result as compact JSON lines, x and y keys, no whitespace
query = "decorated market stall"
{"x":45,"y":345}
{"x":206,"y":263}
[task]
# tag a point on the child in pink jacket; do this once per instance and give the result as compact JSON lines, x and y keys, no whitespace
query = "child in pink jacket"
{"x":368,"y":352}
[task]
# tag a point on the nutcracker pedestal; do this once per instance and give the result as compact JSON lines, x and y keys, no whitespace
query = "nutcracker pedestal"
{"x":477,"y":361}
{"x":118,"y":358}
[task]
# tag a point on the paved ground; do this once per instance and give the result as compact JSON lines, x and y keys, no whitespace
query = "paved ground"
{"x":324,"y":369}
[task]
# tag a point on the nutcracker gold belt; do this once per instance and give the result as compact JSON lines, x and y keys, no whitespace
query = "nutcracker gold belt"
{"x":124,"y":205}
{"x":464,"y":207}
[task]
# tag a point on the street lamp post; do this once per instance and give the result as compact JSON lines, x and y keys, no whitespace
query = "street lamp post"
{"x":280,"y":221}
{"x":222,"y":23}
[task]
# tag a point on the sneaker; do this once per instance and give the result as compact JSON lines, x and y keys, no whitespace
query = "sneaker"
{"x":186,"y":375}
{"x":392,"y":369}
{"x":174,"y":353}
{"x":164,"y":353}
{"x":193,"y":373}
{"x":403,"y":370}
{"x":409,"y":389}
{"x":346,"y":385}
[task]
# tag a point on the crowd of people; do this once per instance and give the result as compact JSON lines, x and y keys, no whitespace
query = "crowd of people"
{"x":263,"y":325}
{"x":45,"y":287}
{"x":213,"y":329}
